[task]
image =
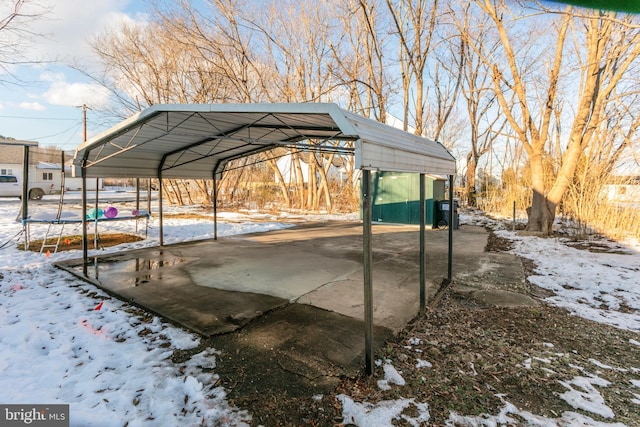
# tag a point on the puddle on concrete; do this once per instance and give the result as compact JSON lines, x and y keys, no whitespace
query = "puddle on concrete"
{"x":127,"y":272}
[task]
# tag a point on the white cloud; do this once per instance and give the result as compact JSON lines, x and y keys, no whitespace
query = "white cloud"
{"x":74,"y":94}
{"x":33,"y":106}
{"x":69,"y":28}
{"x":57,"y":57}
{"x":70,"y":25}
{"x":49,"y":76}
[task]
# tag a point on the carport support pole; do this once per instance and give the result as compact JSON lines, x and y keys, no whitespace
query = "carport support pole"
{"x":368,"y":258}
{"x":451,"y":224}
{"x":149,"y":196}
{"x":423,"y":274}
{"x":95,"y":219}
{"x":214,"y":192}
{"x":137,"y":193}
{"x":161,"y":218}
{"x":25,"y":186}
{"x":84,"y":222}
{"x":137,"y":199}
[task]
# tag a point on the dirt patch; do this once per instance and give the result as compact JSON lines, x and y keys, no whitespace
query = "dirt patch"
{"x":480,"y":356}
{"x":69,"y":243}
{"x":598,"y":247}
{"x":497,"y":244}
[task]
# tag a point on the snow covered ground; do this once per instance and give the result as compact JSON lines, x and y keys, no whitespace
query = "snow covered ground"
{"x":112,"y":364}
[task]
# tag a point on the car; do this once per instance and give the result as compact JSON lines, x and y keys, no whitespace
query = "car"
{"x":10,"y":186}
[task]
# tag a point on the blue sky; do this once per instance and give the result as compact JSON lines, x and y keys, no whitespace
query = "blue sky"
{"x":44,"y":107}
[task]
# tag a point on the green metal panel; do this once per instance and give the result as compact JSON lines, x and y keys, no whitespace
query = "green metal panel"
{"x":438,"y":189}
{"x":396,"y":198}
{"x":391,"y":197}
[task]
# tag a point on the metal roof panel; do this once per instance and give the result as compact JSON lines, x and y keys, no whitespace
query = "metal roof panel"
{"x":188,"y":141}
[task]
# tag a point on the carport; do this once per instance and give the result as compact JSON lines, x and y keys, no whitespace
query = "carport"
{"x":197,"y":141}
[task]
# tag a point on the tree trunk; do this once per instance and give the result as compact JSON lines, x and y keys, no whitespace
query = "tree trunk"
{"x":470,"y":185}
{"x":299,"y":179}
{"x":312,"y":187}
{"x":324,"y":182}
{"x":542,"y":212}
{"x":284,"y":187}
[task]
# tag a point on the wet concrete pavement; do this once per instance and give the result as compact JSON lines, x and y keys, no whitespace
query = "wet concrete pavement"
{"x":300,"y":290}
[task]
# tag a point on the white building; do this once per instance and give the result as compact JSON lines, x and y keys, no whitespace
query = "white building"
{"x":45,"y":168}
{"x":623,"y":190}
{"x":290,"y":173}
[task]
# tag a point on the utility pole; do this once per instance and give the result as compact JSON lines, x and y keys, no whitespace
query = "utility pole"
{"x":84,"y":120}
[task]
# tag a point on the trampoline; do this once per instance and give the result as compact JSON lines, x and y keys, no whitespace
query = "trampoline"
{"x":63,"y":219}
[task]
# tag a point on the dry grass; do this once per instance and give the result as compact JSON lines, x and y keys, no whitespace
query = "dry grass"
{"x":587,"y":204}
{"x":69,"y":243}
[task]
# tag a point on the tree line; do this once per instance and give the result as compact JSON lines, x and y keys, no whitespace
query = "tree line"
{"x":547,"y":92}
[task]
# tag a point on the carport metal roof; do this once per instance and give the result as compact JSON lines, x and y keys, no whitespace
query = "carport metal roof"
{"x":198,"y":140}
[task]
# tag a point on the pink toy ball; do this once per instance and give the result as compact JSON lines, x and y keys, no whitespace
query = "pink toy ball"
{"x":111,"y":212}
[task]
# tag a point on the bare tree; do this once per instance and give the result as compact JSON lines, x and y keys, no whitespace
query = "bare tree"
{"x":227,"y":52}
{"x":414,"y":25}
{"x":172,"y":59}
{"x":359,"y":54}
{"x":17,"y":35}
{"x":297,"y":39}
{"x":611,"y":47}
{"x":221,"y":36}
{"x":484,"y":118}
{"x":149,"y":63}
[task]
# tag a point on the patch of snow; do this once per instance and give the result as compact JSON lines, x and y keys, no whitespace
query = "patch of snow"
{"x":391,"y":376}
{"x":383,"y":413}
{"x":182,"y":340}
{"x":473,"y":369}
{"x":568,"y":419}
{"x":571,"y":419}
{"x":423,"y":364}
{"x":585,"y":396}
{"x":502,"y":418}
{"x":603,"y":366}
{"x":205,"y":359}
{"x":595,"y":286}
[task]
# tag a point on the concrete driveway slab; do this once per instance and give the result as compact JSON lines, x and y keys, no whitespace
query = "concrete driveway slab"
{"x":300,"y":290}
